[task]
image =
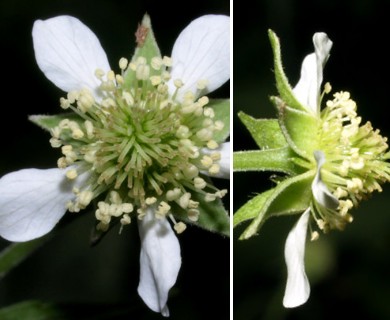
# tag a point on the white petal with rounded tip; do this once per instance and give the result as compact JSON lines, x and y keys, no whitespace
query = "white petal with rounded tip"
{"x":319,"y":189}
{"x":160,"y":261}
{"x":32,"y":201}
{"x":307,"y":90}
{"x":68,"y":53}
{"x":297,"y":288}
{"x":202,"y":52}
{"x":224,"y":163}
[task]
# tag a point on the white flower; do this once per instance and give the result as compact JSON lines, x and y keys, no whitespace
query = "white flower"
{"x":307,"y":92}
{"x":33,"y":201}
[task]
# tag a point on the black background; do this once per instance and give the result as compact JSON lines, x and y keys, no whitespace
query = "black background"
{"x":99,"y":282}
{"x":348,"y":270}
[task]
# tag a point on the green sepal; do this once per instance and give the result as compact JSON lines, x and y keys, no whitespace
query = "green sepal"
{"x":250,"y":210}
{"x":277,"y":160}
{"x":299,"y":128}
{"x":266,"y":132}
{"x":221,"y":109}
{"x":146,"y":47}
{"x":291,"y":196}
{"x":212,"y":215}
{"x":48,"y":122}
{"x":284,"y":88}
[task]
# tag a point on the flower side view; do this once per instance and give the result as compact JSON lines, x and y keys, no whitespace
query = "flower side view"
{"x":140,"y":143}
{"x":328,"y":161}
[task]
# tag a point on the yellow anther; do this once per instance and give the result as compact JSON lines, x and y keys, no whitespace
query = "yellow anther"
{"x":55,"y":143}
{"x":71,"y":174}
{"x":210,"y":197}
{"x":178,"y":83}
{"x":99,"y":73}
{"x":327,"y":88}
{"x":179,"y":227}
{"x":125,"y":219}
{"x":218,"y":125}
{"x":193,"y":214}
{"x":110,"y":75}
{"x":150,"y":200}
{"x":64,"y":103}
{"x":199,"y":183}
{"x":155,"y":80}
{"x":167,"y":61}
{"x":85,"y":198}
{"x":203,"y":101}
{"x":183,"y":132}
{"x":142,"y":72}
{"x":172,"y":195}
{"x":123,"y":63}
{"x":156,"y":63}
{"x":314,"y":236}
{"x":77,"y":133}
{"x":185,"y":200}
{"x":204,"y":134}
{"x":62,"y":163}
{"x":119,"y":79}
{"x":215,"y":156}
{"x":202,"y":84}
{"x":127,"y":207}
{"x":209,"y":112}
{"x":128,"y":97}
{"x":72,"y":96}
{"x":163,"y":209}
{"x":207,"y":161}
{"x":212,"y":144}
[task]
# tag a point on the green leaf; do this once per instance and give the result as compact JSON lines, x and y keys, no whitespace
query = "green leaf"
{"x":278,"y":160}
{"x":15,"y":253}
{"x":282,"y":83}
{"x":146,"y":47}
{"x":30,"y":310}
{"x":266,"y":132}
{"x":300,"y":129}
{"x":48,"y":122}
{"x":290,"y":196}
{"x":221,"y":109}
{"x":212,"y":215}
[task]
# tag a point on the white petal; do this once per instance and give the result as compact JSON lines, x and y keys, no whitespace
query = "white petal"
{"x":307,"y":91}
{"x":68,"y":53}
{"x":32,"y":201}
{"x":160,"y":261}
{"x":224,"y":163}
{"x":319,"y":189}
{"x":297,"y":287}
{"x":202,"y":52}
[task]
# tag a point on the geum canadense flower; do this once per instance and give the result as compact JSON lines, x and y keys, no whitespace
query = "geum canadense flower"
{"x":351,"y":162}
{"x":138,"y":144}
{"x":327,"y":159}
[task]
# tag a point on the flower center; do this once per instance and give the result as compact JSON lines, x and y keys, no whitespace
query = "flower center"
{"x":138,"y":145}
{"x":355,"y":156}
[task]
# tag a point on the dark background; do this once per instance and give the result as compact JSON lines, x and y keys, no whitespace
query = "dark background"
{"x":99,"y":282}
{"x":348,"y":271}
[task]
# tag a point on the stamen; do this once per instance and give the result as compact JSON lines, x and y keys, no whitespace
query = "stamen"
{"x":140,"y":145}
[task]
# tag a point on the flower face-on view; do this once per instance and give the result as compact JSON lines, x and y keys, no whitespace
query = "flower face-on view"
{"x":328,"y":159}
{"x":137,"y":145}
